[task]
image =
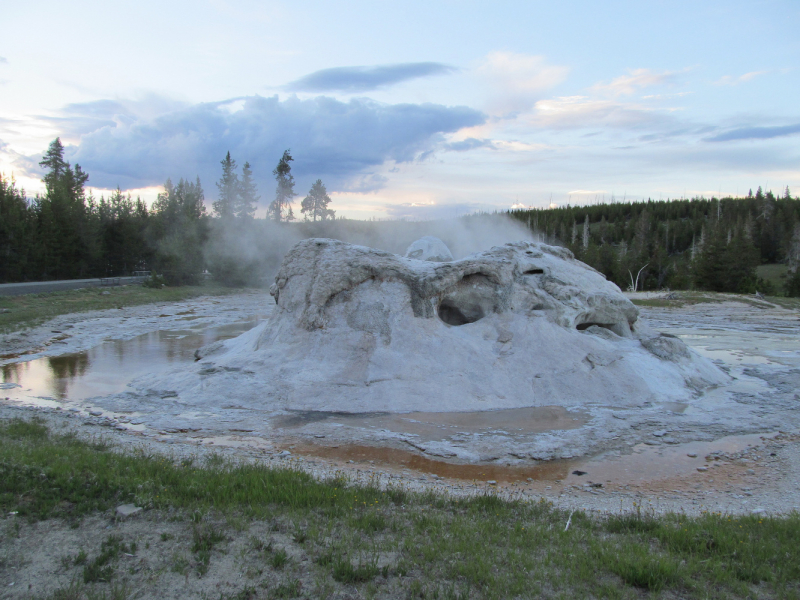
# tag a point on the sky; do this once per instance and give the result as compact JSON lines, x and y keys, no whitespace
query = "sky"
{"x":411,"y":110}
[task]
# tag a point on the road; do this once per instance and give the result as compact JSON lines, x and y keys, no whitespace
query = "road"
{"x":37,"y":287}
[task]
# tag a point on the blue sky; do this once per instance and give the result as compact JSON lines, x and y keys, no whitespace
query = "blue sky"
{"x":410,"y":110}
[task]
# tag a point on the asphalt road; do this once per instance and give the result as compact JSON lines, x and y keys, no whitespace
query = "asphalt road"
{"x":37,"y":287}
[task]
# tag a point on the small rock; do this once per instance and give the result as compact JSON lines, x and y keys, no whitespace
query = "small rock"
{"x":579,"y":473}
{"x":287,"y":453}
{"x":492,"y":482}
{"x":692,"y":454}
{"x":661,"y":433}
{"x":758,"y":511}
{"x":96,"y":413}
{"x":751,"y":472}
{"x":702,"y":468}
{"x":105,"y":293}
{"x":127,"y":510}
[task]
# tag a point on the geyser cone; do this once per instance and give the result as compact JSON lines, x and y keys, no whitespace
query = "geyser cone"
{"x":356,"y":329}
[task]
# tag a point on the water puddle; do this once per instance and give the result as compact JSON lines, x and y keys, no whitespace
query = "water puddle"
{"x":647,"y":464}
{"x":652,"y":463}
{"x":438,"y":426}
{"x":106,"y":369}
{"x":732,"y":357}
{"x":403,"y":459}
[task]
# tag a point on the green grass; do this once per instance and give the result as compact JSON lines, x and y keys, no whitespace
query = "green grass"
{"x":684,"y":298}
{"x":398,"y":543}
{"x":29,"y":310}
{"x":681,"y":298}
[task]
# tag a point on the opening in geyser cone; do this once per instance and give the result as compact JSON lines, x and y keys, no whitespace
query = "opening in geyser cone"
{"x":452,"y":314}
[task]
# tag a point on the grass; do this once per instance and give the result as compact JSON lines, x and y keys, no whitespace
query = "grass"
{"x":362,"y":541}
{"x":684,"y":298}
{"x":29,"y":310}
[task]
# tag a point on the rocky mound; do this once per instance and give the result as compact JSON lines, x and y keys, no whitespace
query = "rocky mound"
{"x":356,"y":329}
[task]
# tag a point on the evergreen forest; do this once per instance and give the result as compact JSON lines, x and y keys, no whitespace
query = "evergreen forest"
{"x":711,"y":244}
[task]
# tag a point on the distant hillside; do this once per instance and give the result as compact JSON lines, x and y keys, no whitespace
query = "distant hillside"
{"x":712,"y":244}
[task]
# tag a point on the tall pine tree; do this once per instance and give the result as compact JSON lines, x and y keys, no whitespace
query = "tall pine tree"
{"x":280,"y":209}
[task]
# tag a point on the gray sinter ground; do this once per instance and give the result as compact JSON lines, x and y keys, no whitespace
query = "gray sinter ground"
{"x":358,"y":335}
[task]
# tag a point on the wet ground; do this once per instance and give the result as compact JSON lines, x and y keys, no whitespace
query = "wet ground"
{"x":734,"y":448}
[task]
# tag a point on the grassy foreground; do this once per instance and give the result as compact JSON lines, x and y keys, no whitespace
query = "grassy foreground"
{"x":29,"y":310}
{"x":362,"y":541}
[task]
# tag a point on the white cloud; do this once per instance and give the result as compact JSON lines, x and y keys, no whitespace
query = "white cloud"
{"x":730,"y":80}
{"x":582,"y":111}
{"x":517,"y":146}
{"x":637,"y":79}
{"x":518,"y":80}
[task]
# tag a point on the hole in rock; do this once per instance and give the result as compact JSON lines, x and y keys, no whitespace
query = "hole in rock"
{"x":459,"y":314}
{"x":534,"y":272}
{"x":585,"y":326}
{"x":470,"y":300}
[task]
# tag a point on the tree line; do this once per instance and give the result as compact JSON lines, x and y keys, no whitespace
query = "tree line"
{"x":708,"y":244}
{"x":67,"y":233}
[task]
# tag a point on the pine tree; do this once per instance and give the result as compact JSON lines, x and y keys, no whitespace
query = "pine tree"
{"x":62,"y":218}
{"x":316,"y":203}
{"x":280,"y":209}
{"x":53,"y":161}
{"x":179,"y":232}
{"x":248,"y":196}
{"x":586,"y":233}
{"x":228,"y":186}
{"x":17,"y":232}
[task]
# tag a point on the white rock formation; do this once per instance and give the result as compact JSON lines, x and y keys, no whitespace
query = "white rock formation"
{"x":356,"y":329}
{"x":429,"y":248}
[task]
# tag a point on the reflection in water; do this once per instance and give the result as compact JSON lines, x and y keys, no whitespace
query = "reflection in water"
{"x":107,"y":368}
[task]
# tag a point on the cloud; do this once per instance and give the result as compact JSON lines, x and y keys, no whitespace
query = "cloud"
{"x":625,"y":85}
{"x":730,"y":80}
{"x":341,"y":142}
{"x":518,"y":80}
{"x":425,"y":211}
{"x":76,"y":119}
{"x":586,"y":192}
{"x":569,"y":112}
{"x":755,"y":133}
{"x":469,"y":144}
{"x":3,"y":60}
{"x":364,"y":79}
